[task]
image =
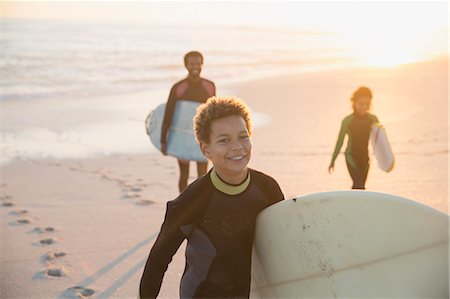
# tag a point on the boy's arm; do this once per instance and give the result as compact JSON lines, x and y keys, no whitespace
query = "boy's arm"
{"x":340,"y":140}
{"x":166,"y":245}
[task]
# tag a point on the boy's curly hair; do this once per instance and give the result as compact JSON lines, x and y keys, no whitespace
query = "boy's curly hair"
{"x":218,"y":107}
{"x":361,"y":92}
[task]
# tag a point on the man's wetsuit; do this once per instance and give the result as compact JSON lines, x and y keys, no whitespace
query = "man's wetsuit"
{"x":186,"y":89}
{"x":356,"y":155}
{"x":218,"y":221}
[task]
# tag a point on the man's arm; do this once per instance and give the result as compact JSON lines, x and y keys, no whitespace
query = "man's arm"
{"x":168,"y":113}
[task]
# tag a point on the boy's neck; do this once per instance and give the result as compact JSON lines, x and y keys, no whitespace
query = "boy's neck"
{"x":227,"y":186}
{"x":233,"y":180}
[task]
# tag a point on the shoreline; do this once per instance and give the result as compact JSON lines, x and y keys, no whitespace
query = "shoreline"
{"x":124,"y":113}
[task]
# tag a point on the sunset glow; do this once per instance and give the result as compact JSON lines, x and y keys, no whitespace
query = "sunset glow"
{"x":374,"y":33}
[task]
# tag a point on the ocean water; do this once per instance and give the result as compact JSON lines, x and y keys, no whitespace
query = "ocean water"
{"x":44,"y":59}
{"x":79,"y":89}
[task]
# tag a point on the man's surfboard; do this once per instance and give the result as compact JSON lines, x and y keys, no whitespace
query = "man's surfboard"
{"x":350,"y":244}
{"x":381,"y":147}
{"x":181,"y":141}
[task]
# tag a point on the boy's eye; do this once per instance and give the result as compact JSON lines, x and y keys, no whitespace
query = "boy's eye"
{"x":244,"y":137}
{"x":223,"y":140}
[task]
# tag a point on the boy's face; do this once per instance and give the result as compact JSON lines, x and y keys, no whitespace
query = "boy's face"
{"x":229,"y":147}
{"x":362,"y":105}
{"x":194,"y":66}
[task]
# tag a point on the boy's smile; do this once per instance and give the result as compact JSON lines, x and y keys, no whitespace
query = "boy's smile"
{"x":362,"y":105}
{"x":229,"y":148}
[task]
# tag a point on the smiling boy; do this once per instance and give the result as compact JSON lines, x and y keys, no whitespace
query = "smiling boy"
{"x":216,"y":213}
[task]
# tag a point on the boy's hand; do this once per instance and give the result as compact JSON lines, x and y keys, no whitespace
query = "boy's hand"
{"x":164,"y":149}
{"x":331,"y":168}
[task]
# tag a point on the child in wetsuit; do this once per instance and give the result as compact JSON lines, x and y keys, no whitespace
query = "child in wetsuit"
{"x":216,"y":213}
{"x":357,"y":126}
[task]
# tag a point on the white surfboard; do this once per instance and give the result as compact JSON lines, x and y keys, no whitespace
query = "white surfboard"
{"x":181,"y":141}
{"x":347,"y":244}
{"x":381,"y":147}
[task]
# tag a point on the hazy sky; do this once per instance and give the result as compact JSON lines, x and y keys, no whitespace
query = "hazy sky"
{"x":340,"y":15}
{"x":405,"y":27}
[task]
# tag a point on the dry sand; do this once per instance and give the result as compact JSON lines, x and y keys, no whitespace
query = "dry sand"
{"x":83,"y":228}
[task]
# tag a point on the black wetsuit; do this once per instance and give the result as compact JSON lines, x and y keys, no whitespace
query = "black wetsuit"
{"x":186,"y":89}
{"x":356,"y":155}
{"x":218,"y":221}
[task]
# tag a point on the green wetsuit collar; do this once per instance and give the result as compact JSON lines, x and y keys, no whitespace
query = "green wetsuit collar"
{"x":227,"y":188}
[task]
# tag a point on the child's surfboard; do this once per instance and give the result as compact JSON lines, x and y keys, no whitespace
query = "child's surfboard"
{"x":181,"y":142}
{"x":381,"y":148}
{"x":351,"y":244}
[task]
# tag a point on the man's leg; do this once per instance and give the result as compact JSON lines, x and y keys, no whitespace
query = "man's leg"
{"x":184,"y":174}
{"x":201,"y":168}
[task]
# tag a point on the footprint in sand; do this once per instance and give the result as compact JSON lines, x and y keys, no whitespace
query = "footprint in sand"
{"x":51,"y":271}
{"x":120,"y":182}
{"x":18,"y":212}
{"x":49,"y":229}
{"x":105,"y":177}
{"x":7,"y":204}
{"x":126,"y":196}
{"x":136,"y":189}
{"x":56,"y":271}
{"x":44,"y":230}
{"x":21,"y":221}
{"x":52,"y":256}
{"x":47,"y":241}
{"x":79,"y":292}
{"x":144,"y":202}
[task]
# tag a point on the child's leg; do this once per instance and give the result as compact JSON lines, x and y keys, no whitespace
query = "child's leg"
{"x":184,"y":174}
{"x":358,"y":173}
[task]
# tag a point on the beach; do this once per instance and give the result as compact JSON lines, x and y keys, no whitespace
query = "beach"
{"x":82,"y":227}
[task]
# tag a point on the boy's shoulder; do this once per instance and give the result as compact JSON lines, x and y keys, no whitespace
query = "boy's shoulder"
{"x":190,"y":202}
{"x":195,"y":190}
{"x":268,"y":185}
{"x":373,"y":117}
{"x":258,"y":173}
{"x":349,"y":117}
{"x":347,"y":120}
{"x":261,"y":177}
